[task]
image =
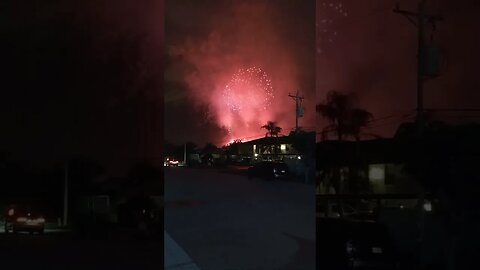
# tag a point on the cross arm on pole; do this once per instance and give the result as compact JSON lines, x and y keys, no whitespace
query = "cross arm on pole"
{"x":410,"y":14}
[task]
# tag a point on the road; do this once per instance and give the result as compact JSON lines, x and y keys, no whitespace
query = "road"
{"x":227,"y":222}
{"x":61,"y":250}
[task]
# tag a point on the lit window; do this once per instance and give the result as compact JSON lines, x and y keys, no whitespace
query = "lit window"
{"x":283,"y":147}
{"x":427,"y":206}
{"x":376,"y":172}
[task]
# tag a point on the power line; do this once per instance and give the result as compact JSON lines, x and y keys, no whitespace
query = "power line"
{"x":402,"y":116}
{"x":386,"y":124}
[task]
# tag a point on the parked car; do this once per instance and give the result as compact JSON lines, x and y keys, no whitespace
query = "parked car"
{"x":268,"y":170}
{"x":24,"y":220}
{"x":332,"y":209}
{"x":170,"y":162}
{"x":173,"y":163}
{"x":347,"y":244}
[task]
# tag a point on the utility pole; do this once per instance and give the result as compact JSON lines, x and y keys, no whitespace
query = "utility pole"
{"x":422,"y":61}
{"x":298,"y":107}
{"x":185,"y":154}
{"x":65,"y":196}
{"x":424,"y":68}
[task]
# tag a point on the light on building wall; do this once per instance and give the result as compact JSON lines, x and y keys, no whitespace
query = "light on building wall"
{"x":427,"y":206}
{"x":376,"y":172}
{"x":283,"y":147}
{"x":299,"y":157}
{"x":256,"y":155}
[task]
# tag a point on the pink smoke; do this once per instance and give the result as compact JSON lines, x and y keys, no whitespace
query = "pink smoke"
{"x":244,"y":42}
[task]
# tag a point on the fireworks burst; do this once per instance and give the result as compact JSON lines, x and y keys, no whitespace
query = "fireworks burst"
{"x":247,"y":95}
{"x":249,"y":89}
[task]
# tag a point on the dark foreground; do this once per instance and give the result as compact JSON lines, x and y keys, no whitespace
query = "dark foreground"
{"x":229,"y":222}
{"x":64,"y":250}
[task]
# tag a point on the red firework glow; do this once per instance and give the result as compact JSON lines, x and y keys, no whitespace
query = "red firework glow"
{"x":247,"y":97}
{"x":232,"y":70}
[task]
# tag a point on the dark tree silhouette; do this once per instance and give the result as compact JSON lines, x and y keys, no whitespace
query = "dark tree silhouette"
{"x":191,"y":147}
{"x":209,"y":148}
{"x":347,"y":121}
{"x":358,"y":118}
{"x":232,"y":149}
{"x":272,"y":129}
{"x":82,"y":172}
{"x":344,"y":118}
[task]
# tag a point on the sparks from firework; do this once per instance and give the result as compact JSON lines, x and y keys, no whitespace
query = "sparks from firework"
{"x":329,"y":15}
{"x":249,"y":89}
{"x":247,"y":96}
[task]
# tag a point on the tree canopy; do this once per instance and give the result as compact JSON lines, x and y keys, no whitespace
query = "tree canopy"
{"x":345,"y":118}
{"x":272,"y":129}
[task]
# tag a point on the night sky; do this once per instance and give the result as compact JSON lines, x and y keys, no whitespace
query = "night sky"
{"x":372,"y":52}
{"x":212,"y":44}
{"x":86,"y":77}
{"x":81,"y":78}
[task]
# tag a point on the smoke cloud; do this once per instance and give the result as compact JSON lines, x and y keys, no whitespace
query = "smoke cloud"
{"x":241,"y":60}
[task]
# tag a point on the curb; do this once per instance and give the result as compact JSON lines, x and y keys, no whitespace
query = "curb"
{"x":175,"y":257}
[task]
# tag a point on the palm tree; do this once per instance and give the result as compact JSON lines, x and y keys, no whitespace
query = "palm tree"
{"x":344,"y":118}
{"x":272,"y":129}
{"x":335,"y":109}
